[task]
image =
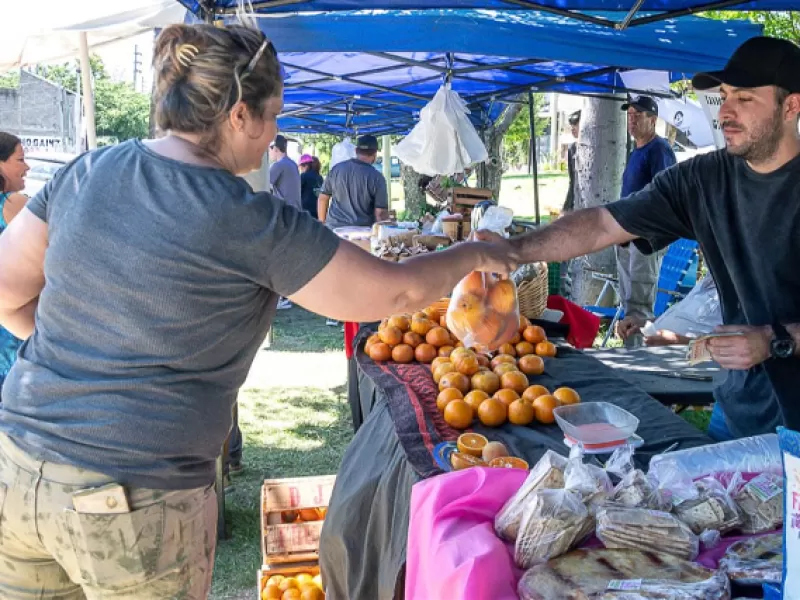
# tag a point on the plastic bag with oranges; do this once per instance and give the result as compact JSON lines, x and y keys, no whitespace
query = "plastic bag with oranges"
{"x":484,"y":311}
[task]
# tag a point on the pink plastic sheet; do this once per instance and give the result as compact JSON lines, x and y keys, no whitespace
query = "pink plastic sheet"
{"x":453,"y":551}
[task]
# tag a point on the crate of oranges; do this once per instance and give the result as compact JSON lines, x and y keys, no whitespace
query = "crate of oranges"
{"x":301,"y":582}
{"x":292,"y":513}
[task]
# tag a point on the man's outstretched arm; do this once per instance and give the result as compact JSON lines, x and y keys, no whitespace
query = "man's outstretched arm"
{"x":578,"y":233}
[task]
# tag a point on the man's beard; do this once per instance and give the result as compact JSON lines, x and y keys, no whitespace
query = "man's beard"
{"x":762,"y":140}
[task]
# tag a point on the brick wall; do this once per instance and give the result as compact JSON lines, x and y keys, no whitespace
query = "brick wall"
{"x":39,"y":112}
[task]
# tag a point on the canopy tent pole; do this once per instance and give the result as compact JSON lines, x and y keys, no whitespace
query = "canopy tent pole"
{"x":387,"y":165}
{"x":533,"y":158}
{"x":88,"y":96}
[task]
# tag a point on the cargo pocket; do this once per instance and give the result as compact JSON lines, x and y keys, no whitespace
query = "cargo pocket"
{"x":117,"y":551}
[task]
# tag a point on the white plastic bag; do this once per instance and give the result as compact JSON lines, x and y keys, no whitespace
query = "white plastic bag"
{"x":444,"y":141}
{"x":344,"y":150}
{"x":497,"y":219}
{"x":696,"y":315}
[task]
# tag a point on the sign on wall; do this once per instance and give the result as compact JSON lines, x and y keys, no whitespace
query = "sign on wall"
{"x":41,"y":144}
{"x":711,"y":101}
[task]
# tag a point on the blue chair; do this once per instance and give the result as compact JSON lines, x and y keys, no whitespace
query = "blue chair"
{"x":677,"y":276}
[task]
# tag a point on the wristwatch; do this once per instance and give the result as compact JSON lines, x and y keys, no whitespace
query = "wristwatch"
{"x":783,"y":345}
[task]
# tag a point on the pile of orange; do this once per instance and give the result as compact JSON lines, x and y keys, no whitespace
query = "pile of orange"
{"x":483,"y":310}
{"x":301,"y":586}
{"x":406,"y":338}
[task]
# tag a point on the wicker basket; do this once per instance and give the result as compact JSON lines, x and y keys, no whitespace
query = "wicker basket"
{"x":532,"y":294}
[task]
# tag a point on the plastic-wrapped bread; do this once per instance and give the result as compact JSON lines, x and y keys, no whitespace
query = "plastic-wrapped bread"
{"x":643,"y":529}
{"x":755,"y":560}
{"x":713,"y":509}
{"x":760,"y":503}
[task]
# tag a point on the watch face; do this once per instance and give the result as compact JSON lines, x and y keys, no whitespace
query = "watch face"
{"x":782,"y":348}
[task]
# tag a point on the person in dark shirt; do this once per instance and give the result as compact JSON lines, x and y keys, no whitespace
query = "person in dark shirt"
{"x":638,"y":272}
{"x":574,"y":126}
{"x":741,"y":204}
{"x":310,"y":184}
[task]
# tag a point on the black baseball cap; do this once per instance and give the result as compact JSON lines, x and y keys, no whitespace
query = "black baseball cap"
{"x":642,"y":104}
{"x":367,"y":142}
{"x":759,"y":62}
{"x":575,"y":118}
{"x":280,"y":143}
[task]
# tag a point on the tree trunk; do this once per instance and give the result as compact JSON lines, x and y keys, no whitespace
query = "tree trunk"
{"x":416,"y":206}
{"x":490,"y":173}
{"x":599,"y":164}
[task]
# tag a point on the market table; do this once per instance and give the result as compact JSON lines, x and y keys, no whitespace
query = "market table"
{"x":648,"y":368}
{"x":363,"y":542}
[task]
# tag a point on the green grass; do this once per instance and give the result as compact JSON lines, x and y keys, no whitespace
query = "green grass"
{"x":289,"y":430}
{"x":699,"y":417}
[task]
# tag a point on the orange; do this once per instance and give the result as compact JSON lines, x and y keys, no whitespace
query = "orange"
{"x":543,"y":406}
{"x":520,"y":413}
{"x":525,"y":348}
{"x":467,"y":364}
{"x":474,"y":398}
{"x":271,"y":592}
{"x":318,"y":581}
{"x":454,"y":380}
{"x":509,"y":462}
{"x":371,"y":341}
{"x":425,"y":353}
{"x":469,"y":310}
{"x":458,"y":414}
{"x":447,"y":396}
{"x":311,"y":592}
{"x":546,"y":349}
{"x":506,"y":396}
{"x":421,"y":326}
{"x":304,"y":579}
{"x":503,"y":358}
{"x":567,"y":395}
{"x":504,"y":368}
{"x":485,"y":381}
{"x":275,"y":580}
{"x":445,"y":351}
{"x":399,"y":321}
{"x":380,"y":352}
{"x":475,"y":283}
{"x":291,"y":594}
{"x":524,"y":323}
{"x":391,"y":335}
{"x":288,"y":583}
{"x":443,"y":321}
{"x":432,"y":313}
{"x":533,"y":392}
{"x":439,"y":360}
{"x":534,"y":334}
{"x":516,"y":339}
{"x":507,"y":349}
{"x":384,"y":324}
{"x":418,"y":315}
{"x":442,"y":370}
{"x":412,"y":339}
{"x":514,"y":380}
{"x":471,"y":443}
{"x":503,"y":296}
{"x":309,"y":514}
{"x":530,"y":364}
{"x":403,"y":353}
{"x":494,"y":450}
{"x":438,"y":336}
{"x":483,"y":360}
{"x":492,"y":412}
{"x":459,"y":352}
{"x":459,"y":460}
{"x":289,"y":516}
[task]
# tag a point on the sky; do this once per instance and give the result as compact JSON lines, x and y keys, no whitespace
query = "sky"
{"x":119,"y":59}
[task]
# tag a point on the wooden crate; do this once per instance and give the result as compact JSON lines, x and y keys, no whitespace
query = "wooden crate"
{"x":296,"y":542}
{"x":464,"y":198}
{"x":265,"y":572}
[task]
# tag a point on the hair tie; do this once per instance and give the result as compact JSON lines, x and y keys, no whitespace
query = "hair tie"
{"x":186,"y":53}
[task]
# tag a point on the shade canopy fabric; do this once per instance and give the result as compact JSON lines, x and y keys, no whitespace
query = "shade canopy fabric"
{"x":372,"y":71}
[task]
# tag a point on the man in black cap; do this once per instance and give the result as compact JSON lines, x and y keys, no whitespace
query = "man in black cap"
{"x":354,"y":193}
{"x":743,"y":205}
{"x":574,"y":127}
{"x":284,"y":176}
{"x":638,"y":273}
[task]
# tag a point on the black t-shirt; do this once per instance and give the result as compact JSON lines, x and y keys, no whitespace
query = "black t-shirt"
{"x":748,"y":226}
{"x":310,"y":186}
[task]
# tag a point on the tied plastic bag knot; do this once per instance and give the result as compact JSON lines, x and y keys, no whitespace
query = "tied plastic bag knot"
{"x":496,"y":219}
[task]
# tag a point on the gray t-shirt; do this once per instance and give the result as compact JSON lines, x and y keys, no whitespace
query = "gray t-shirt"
{"x":284,"y":177}
{"x":356,"y":189}
{"x":748,"y":226}
{"x":161,"y":280}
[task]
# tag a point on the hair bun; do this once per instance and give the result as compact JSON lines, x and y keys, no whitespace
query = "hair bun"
{"x":185,"y":54}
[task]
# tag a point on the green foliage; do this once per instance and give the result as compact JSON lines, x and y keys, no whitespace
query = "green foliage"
{"x":9,"y":80}
{"x":517,"y":139}
{"x":781,"y":24}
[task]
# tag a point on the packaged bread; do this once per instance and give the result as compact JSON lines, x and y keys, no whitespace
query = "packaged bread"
{"x":712,"y":510}
{"x":760,"y":503}
{"x":755,"y":560}
{"x":643,"y":529}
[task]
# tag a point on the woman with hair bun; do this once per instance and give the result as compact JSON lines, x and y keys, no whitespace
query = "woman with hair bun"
{"x":145,"y":277}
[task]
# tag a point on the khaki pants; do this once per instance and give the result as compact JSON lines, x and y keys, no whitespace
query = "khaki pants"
{"x":638,"y":280}
{"x":162,"y":548}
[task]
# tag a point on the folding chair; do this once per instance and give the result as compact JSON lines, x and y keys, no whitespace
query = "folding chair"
{"x":675,"y":279}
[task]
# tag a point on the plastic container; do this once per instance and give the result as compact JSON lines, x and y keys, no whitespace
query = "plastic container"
{"x":596,"y":424}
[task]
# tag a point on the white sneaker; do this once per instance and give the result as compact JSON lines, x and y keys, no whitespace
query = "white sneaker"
{"x":284,"y":304}
{"x":332,"y":323}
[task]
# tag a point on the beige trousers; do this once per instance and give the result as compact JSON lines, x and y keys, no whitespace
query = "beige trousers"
{"x":161,"y":547}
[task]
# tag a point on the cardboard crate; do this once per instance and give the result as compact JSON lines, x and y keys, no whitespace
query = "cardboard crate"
{"x":296,"y":542}
{"x":265,"y":572}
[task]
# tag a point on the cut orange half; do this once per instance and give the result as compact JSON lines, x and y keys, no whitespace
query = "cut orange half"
{"x":508,"y":462}
{"x":471,"y":443}
{"x":459,"y":460}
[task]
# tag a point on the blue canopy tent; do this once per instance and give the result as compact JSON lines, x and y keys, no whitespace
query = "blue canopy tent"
{"x":341,"y":81}
{"x":628,"y":13}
